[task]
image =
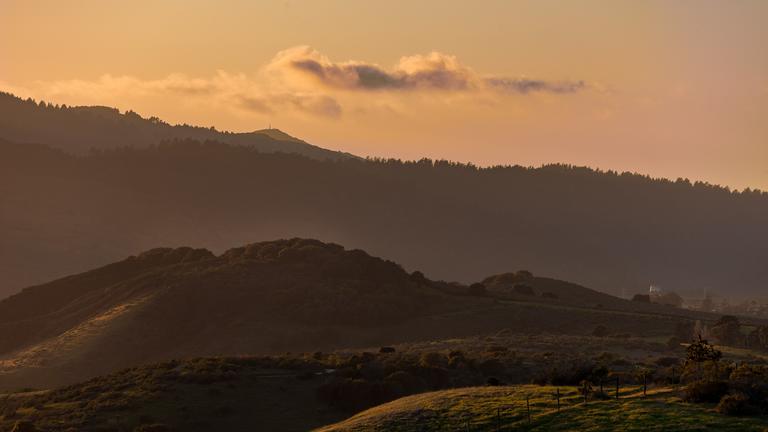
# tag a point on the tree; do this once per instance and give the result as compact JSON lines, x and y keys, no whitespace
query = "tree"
{"x":701,"y":352}
{"x":727,"y":330}
{"x":758,"y":338}
{"x":523,"y":289}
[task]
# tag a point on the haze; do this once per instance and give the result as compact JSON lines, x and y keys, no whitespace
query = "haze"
{"x":666,"y":89}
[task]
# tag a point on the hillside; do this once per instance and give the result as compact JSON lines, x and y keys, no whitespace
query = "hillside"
{"x":177,"y":303}
{"x":273,"y":297}
{"x":617,"y":233}
{"x":236,"y":394}
{"x":82,"y":129}
{"x":504,"y":408}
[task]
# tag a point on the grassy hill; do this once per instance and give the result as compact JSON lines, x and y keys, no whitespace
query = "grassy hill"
{"x":506,"y":409}
{"x":298,"y":392}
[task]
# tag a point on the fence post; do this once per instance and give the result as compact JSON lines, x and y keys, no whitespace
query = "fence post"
{"x":617,"y":387}
{"x":528,"y":406}
{"x":645,"y":384}
{"x":498,"y":418}
{"x":558,"y":399}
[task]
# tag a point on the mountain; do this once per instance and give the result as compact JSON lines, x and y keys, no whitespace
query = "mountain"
{"x":81,"y":129}
{"x":618,"y":233}
{"x":272,"y":297}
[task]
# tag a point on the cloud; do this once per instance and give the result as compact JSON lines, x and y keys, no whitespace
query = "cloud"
{"x":302,"y":82}
{"x":433,"y":71}
{"x":249,"y":94}
{"x":524,"y":86}
{"x":318,"y":105}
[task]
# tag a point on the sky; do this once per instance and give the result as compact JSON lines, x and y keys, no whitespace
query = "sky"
{"x":666,"y":88}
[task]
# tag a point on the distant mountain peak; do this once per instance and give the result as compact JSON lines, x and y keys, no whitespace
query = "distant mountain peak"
{"x":278,"y":135}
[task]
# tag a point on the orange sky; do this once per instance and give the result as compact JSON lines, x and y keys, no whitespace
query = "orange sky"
{"x":673,"y":89}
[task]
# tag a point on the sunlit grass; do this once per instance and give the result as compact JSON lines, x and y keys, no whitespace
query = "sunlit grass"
{"x":506,"y":409}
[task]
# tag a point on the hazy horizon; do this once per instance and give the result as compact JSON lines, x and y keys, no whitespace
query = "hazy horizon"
{"x":655,"y":88}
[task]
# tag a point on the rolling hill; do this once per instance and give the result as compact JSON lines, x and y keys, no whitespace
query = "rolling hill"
{"x":273,"y":297}
{"x":505,"y":408}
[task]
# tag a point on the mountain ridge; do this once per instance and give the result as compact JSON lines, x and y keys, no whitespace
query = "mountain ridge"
{"x":62,"y":214}
{"x":81,"y":129}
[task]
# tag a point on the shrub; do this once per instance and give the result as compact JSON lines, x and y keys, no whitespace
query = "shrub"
{"x":491,"y":367}
{"x":727,"y":331}
{"x":706,"y":391}
{"x":549,"y":295}
{"x":523,"y":289}
{"x":432,"y":359}
{"x":736,"y":405}
{"x":493,"y":381}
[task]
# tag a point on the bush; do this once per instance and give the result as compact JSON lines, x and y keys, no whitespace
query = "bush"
{"x":491,"y":367}
{"x":433,"y":359}
{"x":736,"y":405}
{"x":523,"y":289}
{"x":600,"y":331}
{"x":706,"y":391}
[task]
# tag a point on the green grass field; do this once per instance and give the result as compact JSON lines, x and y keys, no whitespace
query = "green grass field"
{"x":505,"y":409}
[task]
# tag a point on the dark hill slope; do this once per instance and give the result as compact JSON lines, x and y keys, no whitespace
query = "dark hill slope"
{"x":83,"y":128}
{"x":271,"y":297}
{"x":176,"y":303}
{"x":222,"y":394}
{"x":61,"y":214}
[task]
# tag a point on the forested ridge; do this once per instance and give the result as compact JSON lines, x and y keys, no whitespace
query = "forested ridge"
{"x":617,"y":232}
